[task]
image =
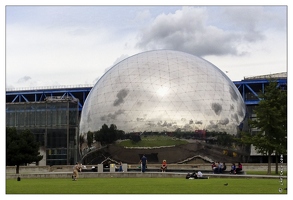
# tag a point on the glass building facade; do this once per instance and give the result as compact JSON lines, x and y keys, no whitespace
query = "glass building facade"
{"x":163,"y":91}
{"x":54,"y":123}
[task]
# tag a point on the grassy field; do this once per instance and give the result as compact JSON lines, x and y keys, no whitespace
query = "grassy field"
{"x":153,"y":141}
{"x":265,"y":173}
{"x":146,"y":186}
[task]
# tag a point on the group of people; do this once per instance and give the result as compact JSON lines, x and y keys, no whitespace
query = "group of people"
{"x":234,"y":169}
{"x":196,"y":175}
{"x":143,"y":161}
{"x":219,"y":167}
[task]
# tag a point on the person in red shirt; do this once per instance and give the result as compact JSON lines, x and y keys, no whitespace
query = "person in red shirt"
{"x":239,"y":168}
{"x":164,"y":166}
{"x":214,"y":167}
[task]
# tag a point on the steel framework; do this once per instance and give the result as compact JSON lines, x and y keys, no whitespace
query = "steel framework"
{"x":42,"y":94}
{"x":248,"y":88}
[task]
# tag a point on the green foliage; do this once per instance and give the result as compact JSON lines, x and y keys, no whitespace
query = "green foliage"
{"x":108,"y":135}
{"x":264,"y":173}
{"x":21,"y":148}
{"x":271,"y":121}
{"x":134,"y":137}
{"x":222,"y":139}
{"x":145,"y":186}
{"x":90,"y":138}
{"x":225,"y":140}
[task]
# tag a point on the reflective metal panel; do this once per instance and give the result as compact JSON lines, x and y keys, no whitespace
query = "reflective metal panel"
{"x":163,"y":90}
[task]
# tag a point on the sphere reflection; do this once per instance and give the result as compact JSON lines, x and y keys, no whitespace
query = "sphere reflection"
{"x":163,"y":90}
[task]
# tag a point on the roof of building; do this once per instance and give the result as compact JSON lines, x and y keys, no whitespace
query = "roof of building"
{"x":267,"y":76}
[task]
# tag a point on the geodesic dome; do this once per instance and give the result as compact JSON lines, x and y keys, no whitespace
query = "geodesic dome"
{"x":162,"y":91}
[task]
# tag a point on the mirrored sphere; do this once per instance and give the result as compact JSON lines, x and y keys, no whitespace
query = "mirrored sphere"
{"x":163,"y":91}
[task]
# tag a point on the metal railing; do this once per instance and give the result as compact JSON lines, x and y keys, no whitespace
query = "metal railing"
{"x":50,"y":87}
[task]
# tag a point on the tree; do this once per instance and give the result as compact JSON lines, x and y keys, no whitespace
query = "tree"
{"x":81,"y":141}
{"x":224,"y":139}
{"x":90,"y":138}
{"x":135,"y":137}
{"x":108,"y":135}
{"x":112,"y":133}
{"x":271,"y":121}
{"x":21,"y":148}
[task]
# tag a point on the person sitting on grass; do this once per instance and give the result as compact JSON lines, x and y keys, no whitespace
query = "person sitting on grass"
{"x":195,"y":175}
{"x":164,"y":166}
{"x":191,"y":176}
{"x":199,"y":174}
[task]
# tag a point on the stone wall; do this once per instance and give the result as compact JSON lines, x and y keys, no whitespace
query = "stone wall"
{"x":185,"y":153}
{"x":199,"y":166}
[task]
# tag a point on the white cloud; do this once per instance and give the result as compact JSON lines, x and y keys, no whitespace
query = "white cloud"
{"x":190,"y":30}
{"x":76,"y":45}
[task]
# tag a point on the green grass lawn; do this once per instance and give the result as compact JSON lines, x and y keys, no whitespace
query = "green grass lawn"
{"x":265,"y":173}
{"x":145,"y":186}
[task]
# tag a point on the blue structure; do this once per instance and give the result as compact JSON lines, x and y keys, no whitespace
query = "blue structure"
{"x":40,"y":94}
{"x":249,"y":89}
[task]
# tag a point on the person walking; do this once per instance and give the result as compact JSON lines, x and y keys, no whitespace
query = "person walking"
{"x":143,"y":162}
{"x":76,"y":169}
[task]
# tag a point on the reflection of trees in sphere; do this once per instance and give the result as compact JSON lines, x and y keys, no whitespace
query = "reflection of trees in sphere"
{"x":163,"y":90}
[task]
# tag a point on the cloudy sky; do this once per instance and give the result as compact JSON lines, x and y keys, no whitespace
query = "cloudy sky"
{"x":75,"y":45}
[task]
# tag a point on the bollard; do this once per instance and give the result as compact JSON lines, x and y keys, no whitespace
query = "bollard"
{"x":100,"y":168}
{"x":124,"y":167}
{"x":112,"y":168}
{"x":18,"y":178}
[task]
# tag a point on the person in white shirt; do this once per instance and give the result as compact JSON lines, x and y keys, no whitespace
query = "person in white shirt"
{"x":195,"y":175}
{"x":199,"y":174}
{"x":220,"y":166}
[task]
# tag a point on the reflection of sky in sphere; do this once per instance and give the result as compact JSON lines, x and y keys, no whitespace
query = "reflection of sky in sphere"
{"x":162,"y":91}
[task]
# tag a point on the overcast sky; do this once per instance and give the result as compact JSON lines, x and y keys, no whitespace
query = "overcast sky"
{"x":75,"y":45}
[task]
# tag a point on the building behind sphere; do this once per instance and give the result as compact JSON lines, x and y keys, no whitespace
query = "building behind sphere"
{"x":53,"y":121}
{"x":163,"y":91}
{"x":53,"y":114}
